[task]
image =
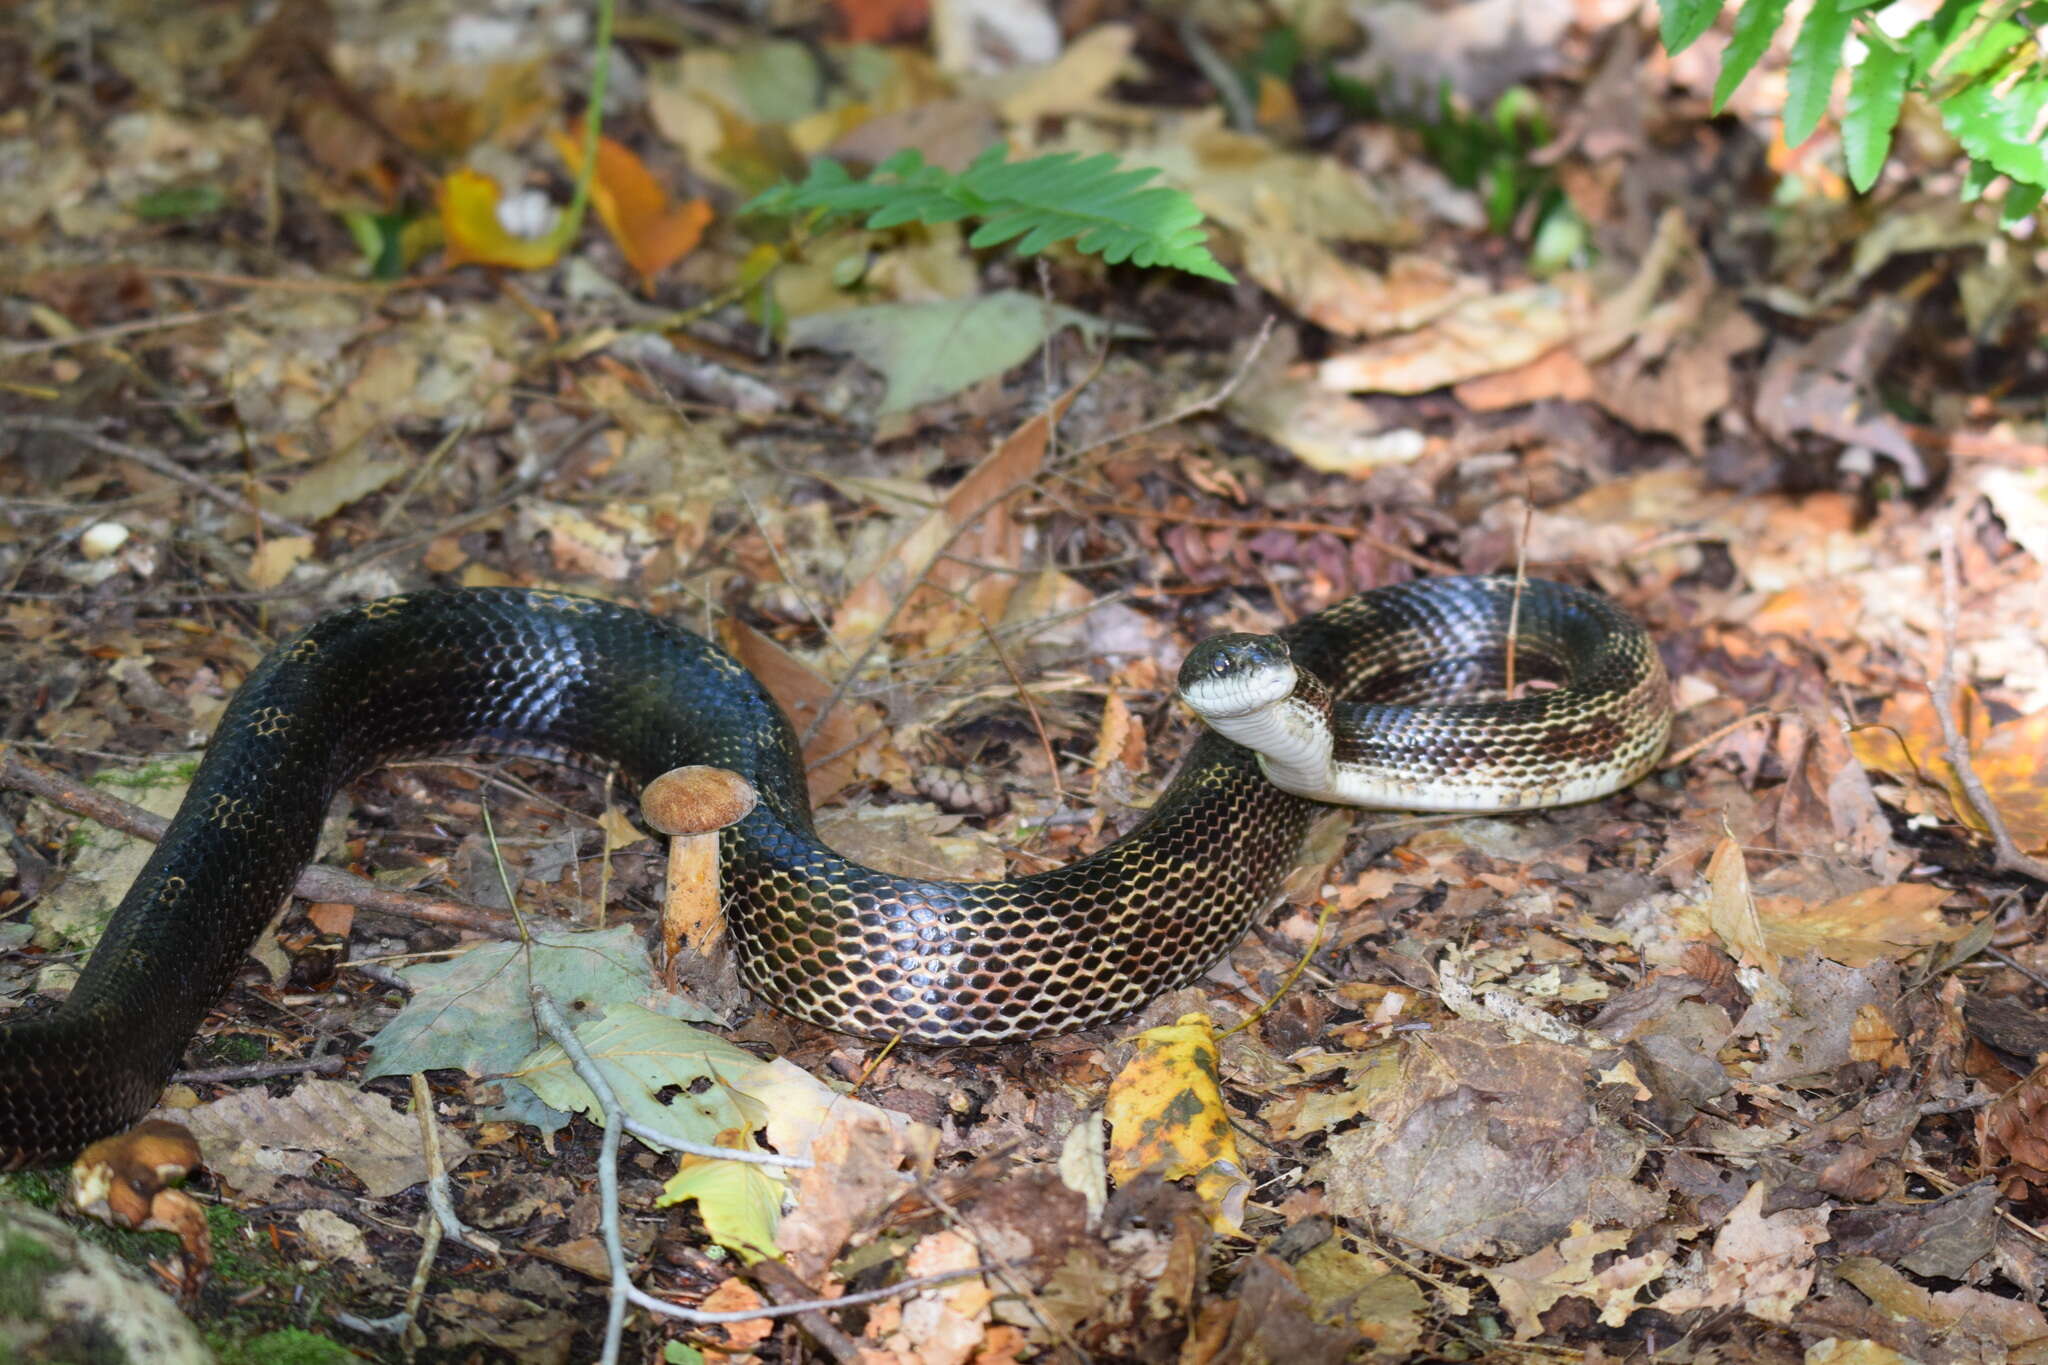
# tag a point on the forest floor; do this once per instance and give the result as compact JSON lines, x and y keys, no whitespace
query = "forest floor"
{"x":1736,"y":1065}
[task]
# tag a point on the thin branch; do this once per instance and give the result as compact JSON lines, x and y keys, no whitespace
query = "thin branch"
{"x":87,"y":434}
{"x":1521,"y":581}
{"x":438,"y":1198}
{"x":1225,"y":81}
{"x":2006,"y":854}
{"x":22,"y":773}
{"x":623,"y":1290}
{"x":323,"y":1065}
{"x":14,"y":350}
{"x":782,"y":1286}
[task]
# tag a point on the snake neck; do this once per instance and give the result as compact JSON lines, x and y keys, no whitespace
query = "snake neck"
{"x":1293,"y":737}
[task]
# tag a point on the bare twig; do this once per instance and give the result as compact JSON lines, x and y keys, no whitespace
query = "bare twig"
{"x":2006,"y":854}
{"x":1521,"y":580}
{"x":323,"y":1065}
{"x":20,"y":772}
{"x":781,"y":1285}
{"x":1224,"y":80}
{"x":1315,"y":945}
{"x":162,"y":323}
{"x":404,"y":1324}
{"x":438,"y":1199}
{"x":1679,"y":757}
{"x":87,"y":434}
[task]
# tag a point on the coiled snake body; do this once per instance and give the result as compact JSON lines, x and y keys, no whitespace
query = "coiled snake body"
{"x":818,"y":936}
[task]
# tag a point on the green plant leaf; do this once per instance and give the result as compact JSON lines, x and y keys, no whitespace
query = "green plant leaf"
{"x":1106,"y":210}
{"x":646,"y":1056}
{"x":2000,"y":129}
{"x":1755,"y":24}
{"x":472,"y":1011}
{"x":2020,"y":202}
{"x":927,"y":351}
{"x":1977,"y":179}
{"x":1875,"y":91}
{"x":1681,"y":21}
{"x":740,"y":1203}
{"x":1816,"y":56}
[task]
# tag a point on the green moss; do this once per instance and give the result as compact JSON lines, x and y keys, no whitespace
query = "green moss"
{"x":41,"y":1189}
{"x":232,"y":1049}
{"x":285,"y":1346}
{"x":160,"y":774}
{"x":24,"y":1264}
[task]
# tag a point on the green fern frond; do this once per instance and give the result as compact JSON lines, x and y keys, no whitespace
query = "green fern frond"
{"x":1105,"y":209}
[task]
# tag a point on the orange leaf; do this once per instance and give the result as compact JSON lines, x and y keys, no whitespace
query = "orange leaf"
{"x":470,"y":222}
{"x":635,"y":210}
{"x":879,"y":21}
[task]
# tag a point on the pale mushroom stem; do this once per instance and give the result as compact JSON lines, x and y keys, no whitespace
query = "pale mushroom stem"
{"x":691,"y":805}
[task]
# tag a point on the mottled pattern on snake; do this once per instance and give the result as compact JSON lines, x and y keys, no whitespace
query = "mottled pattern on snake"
{"x":818,"y":936}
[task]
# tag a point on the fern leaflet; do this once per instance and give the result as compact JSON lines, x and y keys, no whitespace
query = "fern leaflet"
{"x":1105,"y":209}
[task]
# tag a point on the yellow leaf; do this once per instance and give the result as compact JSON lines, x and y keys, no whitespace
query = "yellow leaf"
{"x":651,"y":233}
{"x":475,"y":234}
{"x":1166,"y":1115}
{"x":740,"y":1203}
{"x":2011,"y":759}
{"x":1857,"y":929}
{"x":275,"y":559}
{"x":2013,"y":763}
{"x":1530,"y":1287}
{"x":1731,"y":909}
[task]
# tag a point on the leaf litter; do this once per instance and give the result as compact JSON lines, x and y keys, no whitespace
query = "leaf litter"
{"x":1740,"y":1065}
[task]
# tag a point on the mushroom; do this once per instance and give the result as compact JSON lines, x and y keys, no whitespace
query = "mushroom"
{"x":691,"y":805}
{"x":126,"y":1180}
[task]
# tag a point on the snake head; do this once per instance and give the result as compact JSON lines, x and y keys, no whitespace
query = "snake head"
{"x":1233,"y":675}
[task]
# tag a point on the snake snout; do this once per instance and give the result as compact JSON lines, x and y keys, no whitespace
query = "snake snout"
{"x":1233,"y":675}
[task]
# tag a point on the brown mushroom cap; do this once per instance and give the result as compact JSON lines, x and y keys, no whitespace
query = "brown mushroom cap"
{"x":116,"y":1177}
{"x":697,"y":800}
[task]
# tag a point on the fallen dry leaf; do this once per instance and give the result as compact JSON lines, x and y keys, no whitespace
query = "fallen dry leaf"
{"x":2012,"y":1137}
{"x":1509,"y":1125}
{"x":652,"y":233}
{"x":1167,"y":1117}
{"x":1480,"y":336}
{"x":252,"y":1138}
{"x":1531,"y":1286}
{"x":1764,"y":1264}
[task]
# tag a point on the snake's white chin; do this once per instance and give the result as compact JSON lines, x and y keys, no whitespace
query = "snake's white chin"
{"x":1239,"y":693}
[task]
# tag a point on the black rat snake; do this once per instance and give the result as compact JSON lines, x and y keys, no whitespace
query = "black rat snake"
{"x":818,"y":936}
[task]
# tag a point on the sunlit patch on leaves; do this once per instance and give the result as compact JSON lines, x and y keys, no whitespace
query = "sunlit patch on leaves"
{"x":2011,"y":757}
